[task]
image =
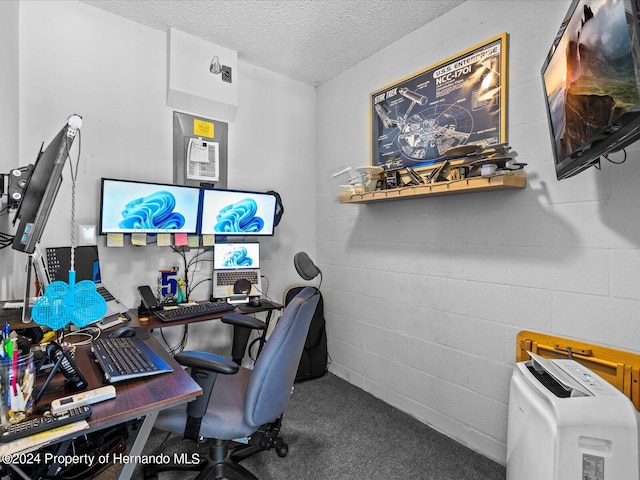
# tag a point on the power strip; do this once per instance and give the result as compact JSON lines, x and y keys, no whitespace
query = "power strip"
{"x":85,"y":398}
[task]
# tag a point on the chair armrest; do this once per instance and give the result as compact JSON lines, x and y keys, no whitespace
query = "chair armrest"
{"x":205,"y":368}
{"x":243,"y":321}
{"x":206,"y":361}
{"x":242,"y":327}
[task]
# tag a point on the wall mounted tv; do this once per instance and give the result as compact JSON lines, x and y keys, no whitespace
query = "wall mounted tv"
{"x":237,"y":213}
{"x":128,"y":206}
{"x":591,"y":80}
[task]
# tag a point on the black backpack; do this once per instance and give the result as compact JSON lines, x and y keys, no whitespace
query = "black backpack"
{"x":313,"y":363}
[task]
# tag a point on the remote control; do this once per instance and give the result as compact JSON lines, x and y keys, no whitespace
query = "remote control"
{"x":83,"y":398}
{"x":40,"y":424}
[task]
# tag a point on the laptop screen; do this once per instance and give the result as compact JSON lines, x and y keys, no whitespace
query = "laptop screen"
{"x":233,"y":256}
{"x":87,"y":266}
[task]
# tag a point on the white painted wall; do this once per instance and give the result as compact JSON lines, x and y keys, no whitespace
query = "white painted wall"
{"x":75,"y":58}
{"x":8,"y":123}
{"x":424,"y":297}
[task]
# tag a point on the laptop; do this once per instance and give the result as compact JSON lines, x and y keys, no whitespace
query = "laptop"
{"x":233,"y":262}
{"x":87,"y":266}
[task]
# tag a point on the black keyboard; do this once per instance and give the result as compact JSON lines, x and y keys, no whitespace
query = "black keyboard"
{"x":125,"y":358}
{"x":196,"y":310}
{"x":41,"y":424}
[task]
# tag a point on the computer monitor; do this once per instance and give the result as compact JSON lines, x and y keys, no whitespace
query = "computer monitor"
{"x":237,"y":213}
{"x":128,"y":206}
{"x":85,"y":263}
{"x":37,"y":200}
{"x":42,"y":188}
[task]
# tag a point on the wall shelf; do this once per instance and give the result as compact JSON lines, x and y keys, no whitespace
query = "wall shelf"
{"x":508,"y":181}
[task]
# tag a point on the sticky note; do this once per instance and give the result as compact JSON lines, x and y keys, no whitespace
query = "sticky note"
{"x":193,"y":241}
{"x":163,"y":239}
{"x":208,"y":240}
{"x":139,"y":239}
{"x":180,"y":239}
{"x":115,"y":240}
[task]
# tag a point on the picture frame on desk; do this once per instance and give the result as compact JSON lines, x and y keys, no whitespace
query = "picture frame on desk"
{"x":458,"y":101}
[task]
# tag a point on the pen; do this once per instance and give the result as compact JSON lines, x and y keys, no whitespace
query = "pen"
{"x":8,"y":348}
{"x":6,"y":331}
{"x":14,"y":368}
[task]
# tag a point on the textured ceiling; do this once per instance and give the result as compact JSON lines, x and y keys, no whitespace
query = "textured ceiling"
{"x":307,"y":40}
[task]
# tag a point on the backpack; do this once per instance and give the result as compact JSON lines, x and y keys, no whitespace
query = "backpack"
{"x":313,"y":363}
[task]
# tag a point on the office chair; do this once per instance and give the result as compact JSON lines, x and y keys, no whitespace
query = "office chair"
{"x":240,"y":402}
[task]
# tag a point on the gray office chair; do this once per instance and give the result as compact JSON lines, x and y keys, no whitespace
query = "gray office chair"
{"x":241,"y":402}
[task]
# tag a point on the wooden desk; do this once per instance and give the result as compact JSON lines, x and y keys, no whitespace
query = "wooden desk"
{"x":154,"y":322}
{"x":134,"y":398}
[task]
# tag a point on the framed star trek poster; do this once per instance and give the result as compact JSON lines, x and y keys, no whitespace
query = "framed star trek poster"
{"x":459,"y":101}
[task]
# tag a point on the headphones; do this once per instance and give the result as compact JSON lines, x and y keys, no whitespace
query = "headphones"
{"x":305,"y":266}
{"x":279,"y":207}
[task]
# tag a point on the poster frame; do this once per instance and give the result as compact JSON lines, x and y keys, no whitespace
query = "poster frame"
{"x":451,"y":92}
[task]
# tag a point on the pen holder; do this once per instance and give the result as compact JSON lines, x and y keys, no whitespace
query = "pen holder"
{"x":17,"y":378}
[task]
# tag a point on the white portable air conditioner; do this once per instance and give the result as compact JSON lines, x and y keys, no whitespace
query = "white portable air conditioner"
{"x":567,"y":423}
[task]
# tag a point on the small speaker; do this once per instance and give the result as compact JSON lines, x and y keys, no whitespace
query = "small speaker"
{"x":242,"y":286}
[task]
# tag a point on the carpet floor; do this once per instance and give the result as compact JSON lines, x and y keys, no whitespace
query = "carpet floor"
{"x":338,"y":431}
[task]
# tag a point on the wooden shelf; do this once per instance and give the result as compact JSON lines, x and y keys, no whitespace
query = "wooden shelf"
{"x":466,"y":185}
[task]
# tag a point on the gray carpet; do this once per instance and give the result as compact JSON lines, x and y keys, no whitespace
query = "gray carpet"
{"x":337,"y":431}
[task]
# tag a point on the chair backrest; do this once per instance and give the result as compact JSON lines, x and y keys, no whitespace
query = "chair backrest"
{"x":275,"y":369}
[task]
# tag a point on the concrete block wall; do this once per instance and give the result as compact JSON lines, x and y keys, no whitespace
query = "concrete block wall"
{"x":425,"y":297}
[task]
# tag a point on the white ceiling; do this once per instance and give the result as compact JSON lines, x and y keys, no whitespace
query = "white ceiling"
{"x":307,"y":40}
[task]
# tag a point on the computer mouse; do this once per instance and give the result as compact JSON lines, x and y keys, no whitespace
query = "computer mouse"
{"x":254,"y":302}
{"x":123,"y":332}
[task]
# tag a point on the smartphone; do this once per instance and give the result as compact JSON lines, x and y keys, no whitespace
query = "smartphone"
{"x":148,"y":298}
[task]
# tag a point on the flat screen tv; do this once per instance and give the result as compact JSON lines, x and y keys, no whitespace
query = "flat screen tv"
{"x":591,"y":80}
{"x":237,"y":213}
{"x":42,"y":188}
{"x":128,"y":206}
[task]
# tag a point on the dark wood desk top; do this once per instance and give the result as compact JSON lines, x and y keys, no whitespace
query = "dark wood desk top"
{"x":134,"y":398}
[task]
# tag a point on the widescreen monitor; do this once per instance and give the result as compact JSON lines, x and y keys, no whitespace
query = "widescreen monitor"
{"x":128,"y":206}
{"x":237,"y":213}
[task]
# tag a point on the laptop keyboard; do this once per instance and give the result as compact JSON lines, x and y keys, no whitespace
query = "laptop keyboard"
{"x":232,"y":276}
{"x":104,"y":293}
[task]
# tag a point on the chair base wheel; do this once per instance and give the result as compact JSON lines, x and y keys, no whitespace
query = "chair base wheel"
{"x":282,"y":450}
